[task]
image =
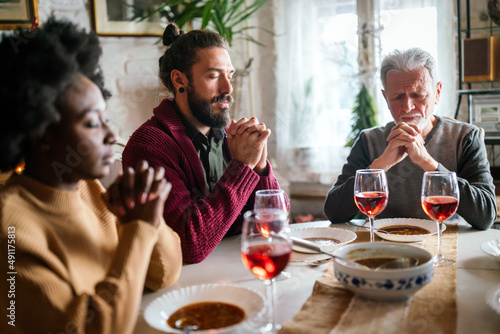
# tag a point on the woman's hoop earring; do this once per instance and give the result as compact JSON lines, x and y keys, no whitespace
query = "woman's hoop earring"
{"x":181,"y":90}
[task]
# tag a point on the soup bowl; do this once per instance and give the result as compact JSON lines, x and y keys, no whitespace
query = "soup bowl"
{"x":383,"y":284}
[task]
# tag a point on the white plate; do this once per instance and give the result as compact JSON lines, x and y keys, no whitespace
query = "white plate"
{"x":160,"y":309}
{"x":429,"y":225}
{"x":492,"y":247}
{"x":344,"y":236}
{"x":493,"y":298}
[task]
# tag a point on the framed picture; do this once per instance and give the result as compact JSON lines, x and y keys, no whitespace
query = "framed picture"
{"x":16,"y":14}
{"x":117,"y":18}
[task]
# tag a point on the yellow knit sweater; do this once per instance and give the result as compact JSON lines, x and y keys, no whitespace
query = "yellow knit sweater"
{"x":67,"y":266}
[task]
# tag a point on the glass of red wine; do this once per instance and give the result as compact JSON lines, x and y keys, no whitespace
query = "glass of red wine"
{"x":265,"y":250}
{"x":440,"y":198}
{"x":268,"y":203}
{"x":371,"y":194}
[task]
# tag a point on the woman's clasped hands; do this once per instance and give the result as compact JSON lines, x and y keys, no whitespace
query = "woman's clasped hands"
{"x":139,"y":193}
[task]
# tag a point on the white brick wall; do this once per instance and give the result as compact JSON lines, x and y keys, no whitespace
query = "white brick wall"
{"x":130,"y":66}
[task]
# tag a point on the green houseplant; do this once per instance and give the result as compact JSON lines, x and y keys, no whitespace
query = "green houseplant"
{"x":364,"y":115}
{"x":222,"y":16}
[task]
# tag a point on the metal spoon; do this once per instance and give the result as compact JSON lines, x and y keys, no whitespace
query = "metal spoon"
{"x":317,"y":263}
{"x":402,"y":262}
{"x":313,"y":263}
{"x":313,"y":246}
{"x":367,"y":227}
{"x":183,"y":324}
{"x":399,"y":263}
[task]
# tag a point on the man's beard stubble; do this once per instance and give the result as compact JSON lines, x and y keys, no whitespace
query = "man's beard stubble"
{"x":203,"y":111}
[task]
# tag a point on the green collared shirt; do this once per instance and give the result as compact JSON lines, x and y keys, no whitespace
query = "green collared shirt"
{"x":209,"y":149}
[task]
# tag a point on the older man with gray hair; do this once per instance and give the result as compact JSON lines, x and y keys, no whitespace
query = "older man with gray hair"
{"x":417,"y":141}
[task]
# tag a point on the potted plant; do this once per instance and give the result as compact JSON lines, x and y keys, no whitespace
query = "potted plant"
{"x":221,"y":16}
{"x":364,"y":115}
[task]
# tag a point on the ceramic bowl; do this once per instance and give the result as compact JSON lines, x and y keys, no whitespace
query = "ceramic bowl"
{"x":429,"y":225}
{"x":383,"y":284}
{"x":251,"y":302}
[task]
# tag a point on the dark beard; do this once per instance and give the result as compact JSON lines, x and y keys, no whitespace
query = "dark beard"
{"x":203,"y":111}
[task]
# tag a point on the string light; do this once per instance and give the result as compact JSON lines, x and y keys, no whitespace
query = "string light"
{"x":19,"y":169}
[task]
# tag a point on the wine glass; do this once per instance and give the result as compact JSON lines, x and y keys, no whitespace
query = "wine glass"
{"x":371,"y":193}
{"x":265,"y":250}
{"x":440,"y":197}
{"x":269,"y":201}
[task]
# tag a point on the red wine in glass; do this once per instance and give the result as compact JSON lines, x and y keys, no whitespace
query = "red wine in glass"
{"x":270,"y":205}
{"x":439,"y":198}
{"x":439,"y":208}
{"x":266,"y":260}
{"x":265,"y":250}
{"x":371,"y":194}
{"x":371,"y":203}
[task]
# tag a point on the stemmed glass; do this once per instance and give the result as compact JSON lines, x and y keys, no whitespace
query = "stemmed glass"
{"x":270,"y":202}
{"x":440,"y":198}
{"x":265,"y":250}
{"x":371,"y":193}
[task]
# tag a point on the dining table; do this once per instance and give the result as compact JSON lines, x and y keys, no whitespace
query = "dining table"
{"x":477,"y":274}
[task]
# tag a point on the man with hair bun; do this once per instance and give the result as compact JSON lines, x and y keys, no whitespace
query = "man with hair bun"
{"x":214,"y":173}
{"x":417,"y":141}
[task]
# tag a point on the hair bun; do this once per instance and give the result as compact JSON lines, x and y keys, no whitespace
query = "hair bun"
{"x":170,"y":34}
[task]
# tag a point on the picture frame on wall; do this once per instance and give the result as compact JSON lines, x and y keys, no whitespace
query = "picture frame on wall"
{"x":15,"y":14}
{"x":116,"y":18}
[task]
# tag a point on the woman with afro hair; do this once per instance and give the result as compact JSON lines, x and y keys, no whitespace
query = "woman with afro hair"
{"x":78,"y":256}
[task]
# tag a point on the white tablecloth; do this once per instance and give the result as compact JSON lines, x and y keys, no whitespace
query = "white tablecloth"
{"x":477,"y":273}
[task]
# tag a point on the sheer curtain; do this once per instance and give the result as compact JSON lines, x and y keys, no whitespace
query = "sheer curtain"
{"x":316,"y":79}
{"x":318,"y":74}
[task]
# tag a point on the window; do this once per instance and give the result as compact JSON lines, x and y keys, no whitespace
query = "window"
{"x":405,"y":24}
{"x":318,"y":73}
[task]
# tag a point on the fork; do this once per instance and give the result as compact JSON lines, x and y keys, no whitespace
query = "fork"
{"x":313,"y":263}
{"x":317,"y":263}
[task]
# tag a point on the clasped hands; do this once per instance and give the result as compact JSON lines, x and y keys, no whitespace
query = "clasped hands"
{"x":405,"y":140}
{"x":247,"y":140}
{"x":139,"y":193}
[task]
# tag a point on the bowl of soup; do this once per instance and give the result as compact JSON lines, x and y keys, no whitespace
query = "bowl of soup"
{"x":206,"y":309}
{"x":383,"y":284}
{"x":405,"y":229}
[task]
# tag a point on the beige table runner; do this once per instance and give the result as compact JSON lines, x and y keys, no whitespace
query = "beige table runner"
{"x":333,"y":309}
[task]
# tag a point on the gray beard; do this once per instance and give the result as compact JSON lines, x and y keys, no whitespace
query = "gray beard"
{"x":421,"y":123}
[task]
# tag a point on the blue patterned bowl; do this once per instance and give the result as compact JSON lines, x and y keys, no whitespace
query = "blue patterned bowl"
{"x":383,"y":284}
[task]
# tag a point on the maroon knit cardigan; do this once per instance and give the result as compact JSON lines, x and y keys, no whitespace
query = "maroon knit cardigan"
{"x":200,"y":220}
